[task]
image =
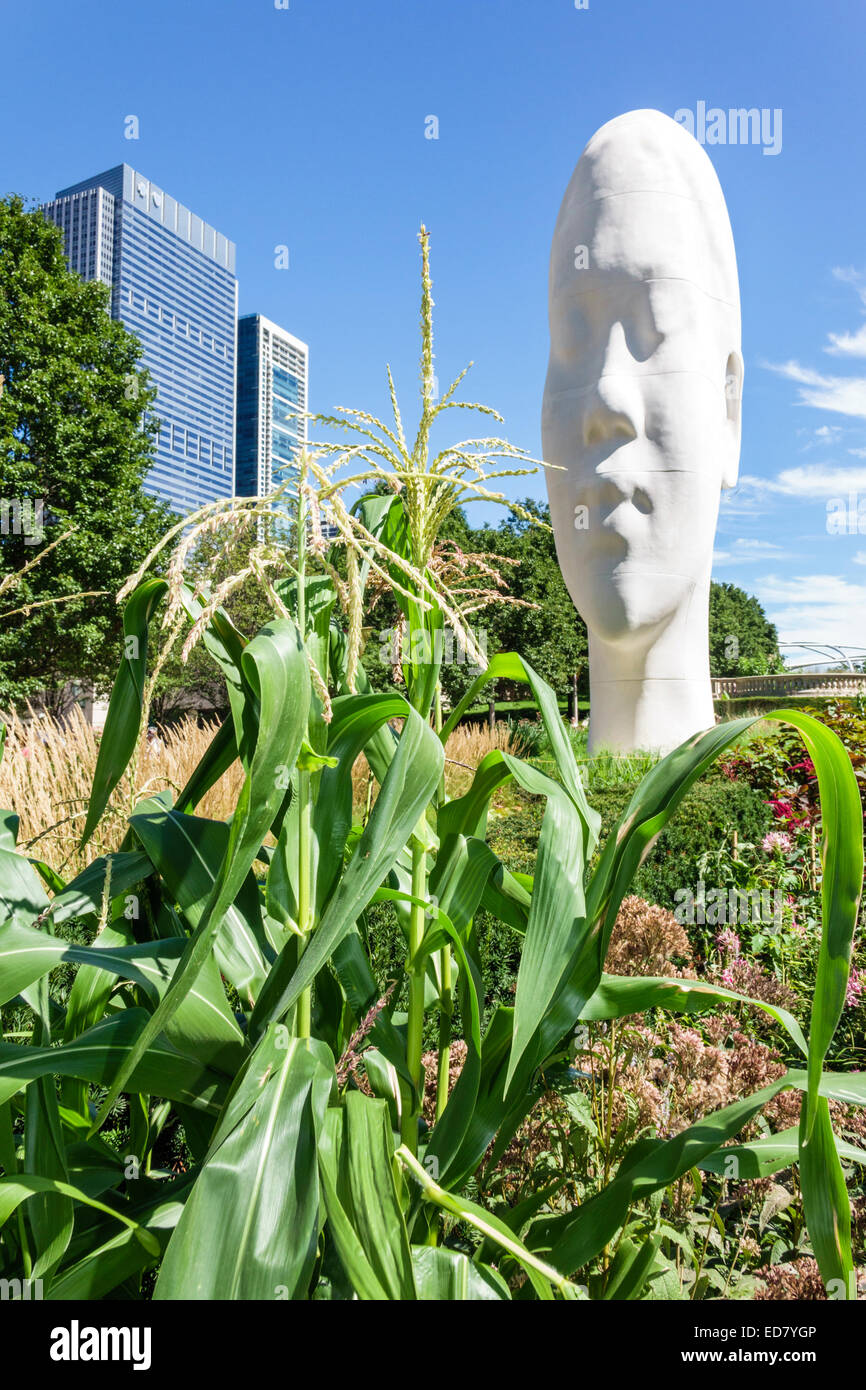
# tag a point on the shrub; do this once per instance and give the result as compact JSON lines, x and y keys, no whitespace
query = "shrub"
{"x":707,"y":818}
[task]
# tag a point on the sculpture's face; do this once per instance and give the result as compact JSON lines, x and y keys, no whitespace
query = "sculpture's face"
{"x":641,"y":410}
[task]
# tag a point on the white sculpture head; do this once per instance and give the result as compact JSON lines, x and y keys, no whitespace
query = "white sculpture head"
{"x":642,"y":400}
{"x":643,"y":390}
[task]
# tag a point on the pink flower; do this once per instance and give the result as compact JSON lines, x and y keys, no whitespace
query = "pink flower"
{"x":855,"y":988}
{"x":784,"y":811}
{"x":728,"y":978}
{"x":776,"y":840}
{"x":728,"y":943}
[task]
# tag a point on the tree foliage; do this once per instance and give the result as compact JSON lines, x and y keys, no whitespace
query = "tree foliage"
{"x":743,"y":642}
{"x":73,"y":456}
{"x":548,"y":630}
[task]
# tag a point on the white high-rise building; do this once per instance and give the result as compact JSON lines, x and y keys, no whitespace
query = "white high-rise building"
{"x":86,"y":219}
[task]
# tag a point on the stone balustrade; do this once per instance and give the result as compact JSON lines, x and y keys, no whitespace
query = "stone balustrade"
{"x":826,"y":683}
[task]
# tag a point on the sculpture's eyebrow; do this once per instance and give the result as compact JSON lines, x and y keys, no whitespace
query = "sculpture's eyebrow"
{"x":572,"y":288}
{"x":602,"y":279}
{"x":607,"y":286}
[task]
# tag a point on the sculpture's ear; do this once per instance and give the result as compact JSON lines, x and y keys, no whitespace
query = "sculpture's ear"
{"x":733,"y":429}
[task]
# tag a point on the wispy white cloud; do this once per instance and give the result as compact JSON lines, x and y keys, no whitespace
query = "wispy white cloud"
{"x":847,"y":344}
{"x":810,"y":480}
{"x":849,"y":276}
{"x":845,"y":395}
{"x":860,"y":557}
{"x":742,"y":501}
{"x":815,"y":608}
{"x":745,"y":551}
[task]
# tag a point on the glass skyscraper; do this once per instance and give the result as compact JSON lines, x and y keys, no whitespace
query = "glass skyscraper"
{"x":273,"y":372}
{"x":172,"y":281}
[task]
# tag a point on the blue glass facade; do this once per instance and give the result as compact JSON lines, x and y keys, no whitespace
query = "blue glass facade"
{"x":247,"y":426}
{"x":173,"y":285}
{"x":272,"y":390}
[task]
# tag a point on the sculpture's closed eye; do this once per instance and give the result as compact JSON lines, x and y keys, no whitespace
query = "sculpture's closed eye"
{"x":601,"y":425}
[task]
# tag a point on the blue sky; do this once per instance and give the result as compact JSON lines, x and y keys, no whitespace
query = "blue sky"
{"x":305,"y":126}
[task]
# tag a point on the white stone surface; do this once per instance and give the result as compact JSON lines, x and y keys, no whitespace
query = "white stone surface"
{"x":642,"y":414}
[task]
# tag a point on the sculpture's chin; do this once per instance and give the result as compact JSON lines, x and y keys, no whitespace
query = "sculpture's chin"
{"x":627,"y":606}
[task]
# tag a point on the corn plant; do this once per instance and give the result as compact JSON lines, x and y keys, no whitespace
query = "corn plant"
{"x":224,"y":982}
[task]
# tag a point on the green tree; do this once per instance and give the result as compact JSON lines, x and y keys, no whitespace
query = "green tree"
{"x":74,"y":451}
{"x":743,"y":642}
{"x":550,"y":633}
{"x":198,"y":683}
{"x":543,"y":626}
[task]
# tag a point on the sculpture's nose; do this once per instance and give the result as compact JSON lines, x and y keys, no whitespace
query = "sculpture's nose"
{"x":613,"y":409}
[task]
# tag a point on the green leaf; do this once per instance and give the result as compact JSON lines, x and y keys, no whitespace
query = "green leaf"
{"x":356,"y":1165}
{"x":763,"y":1157}
{"x":841,"y":884}
{"x":217,"y":758}
{"x":648,"y":812}
{"x":448,"y":1276}
{"x":556,"y":928}
{"x":203,"y":1024}
{"x":826,"y":1204}
{"x":620,"y":995}
{"x":9,"y":821}
{"x":404,"y":794}
{"x":311,"y":761}
{"x":249,"y":1228}
{"x":467,"y":814}
{"x":83,"y":896}
{"x":100,"y":1053}
{"x":576,"y":1237}
{"x":111,"y":1259}
{"x":357,"y":719}
{"x":189,"y":852}
{"x":50,"y":1211}
{"x":541,"y":1275}
{"x":123,"y":721}
{"x":652,"y":806}
{"x":454,"y":1124}
{"x":15,"y":1190}
{"x":631,"y":1267}
{"x":21,"y":894}
{"x":509,"y":666}
{"x":275,"y":669}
